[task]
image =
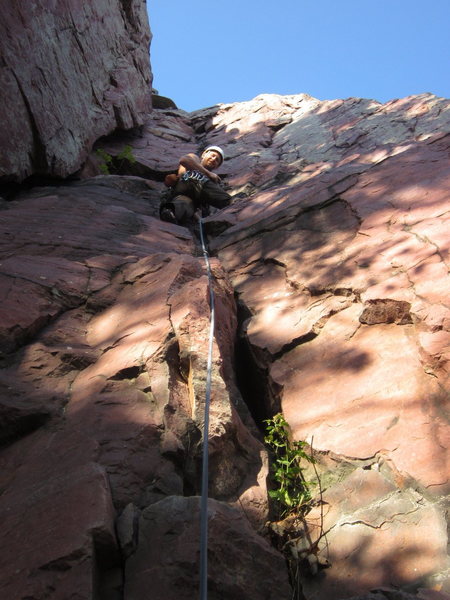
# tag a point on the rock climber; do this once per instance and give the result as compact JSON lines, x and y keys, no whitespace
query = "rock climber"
{"x":195,"y":187}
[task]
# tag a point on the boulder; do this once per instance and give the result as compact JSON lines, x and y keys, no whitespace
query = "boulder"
{"x":166,"y":564}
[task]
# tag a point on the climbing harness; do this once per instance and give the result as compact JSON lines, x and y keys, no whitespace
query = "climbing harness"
{"x":204,"y":496}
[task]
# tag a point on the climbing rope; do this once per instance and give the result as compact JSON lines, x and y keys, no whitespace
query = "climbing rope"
{"x":204,"y":497}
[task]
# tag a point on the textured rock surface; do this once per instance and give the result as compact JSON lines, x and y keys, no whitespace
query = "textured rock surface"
{"x":166,"y":565}
{"x":343,"y":270}
{"x":105,"y":325}
{"x":337,"y":251}
{"x":70,"y":73}
{"x":165,"y":136}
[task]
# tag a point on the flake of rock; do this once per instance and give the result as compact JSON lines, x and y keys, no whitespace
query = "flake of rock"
{"x":386,"y":311}
{"x":233,"y":470}
{"x":127,"y":528}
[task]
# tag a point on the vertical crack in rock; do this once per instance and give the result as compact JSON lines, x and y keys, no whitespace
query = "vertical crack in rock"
{"x":38,"y":154}
{"x":129,"y":12}
{"x":262,"y":395}
{"x":252,"y":373}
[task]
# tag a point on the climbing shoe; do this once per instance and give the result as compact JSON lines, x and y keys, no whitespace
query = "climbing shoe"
{"x":168,"y":216}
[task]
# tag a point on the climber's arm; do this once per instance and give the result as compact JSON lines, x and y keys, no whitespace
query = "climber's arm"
{"x":191,"y":162}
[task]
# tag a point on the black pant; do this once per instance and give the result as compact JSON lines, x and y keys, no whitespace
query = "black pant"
{"x":201,"y":195}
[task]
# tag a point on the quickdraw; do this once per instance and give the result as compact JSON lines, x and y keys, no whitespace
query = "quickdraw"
{"x":194,"y":175}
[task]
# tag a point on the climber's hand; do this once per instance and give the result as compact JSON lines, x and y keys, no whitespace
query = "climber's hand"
{"x":214,"y":177}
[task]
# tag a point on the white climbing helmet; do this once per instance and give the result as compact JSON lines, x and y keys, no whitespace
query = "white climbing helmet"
{"x":216,"y":149}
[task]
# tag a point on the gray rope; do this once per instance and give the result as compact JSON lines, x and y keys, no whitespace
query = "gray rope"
{"x":204,"y":497}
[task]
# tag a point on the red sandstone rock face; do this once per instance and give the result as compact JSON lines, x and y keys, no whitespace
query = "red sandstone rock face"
{"x":344,"y":269}
{"x":71,"y":72}
{"x":105,"y":326}
{"x":337,"y":251}
{"x":166,"y":565}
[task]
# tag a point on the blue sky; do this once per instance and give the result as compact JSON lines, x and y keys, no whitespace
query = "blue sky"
{"x":204,"y":53}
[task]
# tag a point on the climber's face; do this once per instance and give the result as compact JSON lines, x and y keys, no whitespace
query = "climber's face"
{"x":211,"y":160}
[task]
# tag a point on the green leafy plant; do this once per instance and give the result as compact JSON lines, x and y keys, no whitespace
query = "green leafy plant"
{"x":292,"y":491}
{"x":106,"y":159}
{"x":126,"y":155}
{"x":115,"y":164}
